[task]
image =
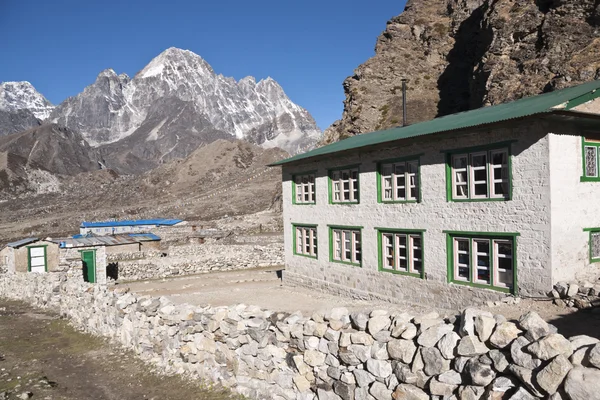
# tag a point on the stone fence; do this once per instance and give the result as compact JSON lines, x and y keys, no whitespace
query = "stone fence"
{"x":196,"y":259}
{"x":337,"y":355}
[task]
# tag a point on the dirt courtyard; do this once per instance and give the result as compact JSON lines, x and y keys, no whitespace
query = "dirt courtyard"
{"x":43,"y":357}
{"x":260,"y":287}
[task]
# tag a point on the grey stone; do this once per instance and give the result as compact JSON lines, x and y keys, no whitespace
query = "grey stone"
{"x":362,"y":393}
{"x":301,"y":383}
{"x":467,"y":321}
{"x":314,"y":358}
{"x":361,"y":338}
{"x":340,"y":314}
{"x":410,"y":332}
{"x":593,"y":357}
{"x":534,"y":326}
{"x":379,"y":368}
{"x":359,"y":320}
{"x":580,"y":341}
{"x":404,"y":374}
{"x":379,"y":351}
{"x":363,"y":353}
{"x":403,"y":350}
{"x":522,"y":394}
{"x":583,"y":384}
{"x":553,"y":374}
{"x":581,"y":356}
{"x":363,"y":378}
{"x":499,"y":360}
{"x":450,"y":377}
{"x":504,"y":334}
{"x":447,"y":345}
{"x":434,"y":363}
{"x":471,"y":346}
{"x":480,"y":374}
{"x":327,"y":395}
{"x":383,"y":336}
{"x":380,"y":391}
{"x":550,"y":346}
{"x":484,"y":327}
{"x":471,"y":392}
{"x":378,"y":323}
{"x":409,"y":392}
{"x":521,"y":358}
{"x":438,"y":388}
{"x":432,"y":335}
{"x":502,"y":384}
{"x":348,"y":357}
{"x":573,"y":290}
{"x":344,"y":390}
{"x":525,"y":375}
{"x":391,"y":382}
{"x":459,"y":364}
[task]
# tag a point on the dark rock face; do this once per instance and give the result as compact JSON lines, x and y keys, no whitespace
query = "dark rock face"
{"x":177,"y":103}
{"x":464,"y":54}
{"x":16,"y":121}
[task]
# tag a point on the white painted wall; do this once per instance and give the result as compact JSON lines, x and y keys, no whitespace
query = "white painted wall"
{"x":528,"y":213}
{"x":575,"y":206}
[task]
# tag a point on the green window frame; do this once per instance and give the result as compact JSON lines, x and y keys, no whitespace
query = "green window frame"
{"x":302,"y":246}
{"x":486,"y":260}
{"x":399,"y":180}
{"x":401,"y":251}
{"x":345,"y":244}
{"x":29,"y":249}
{"x":594,"y":244}
{"x":344,"y":185}
{"x":304,"y":187}
{"x":590,"y":160}
{"x":482,"y":173}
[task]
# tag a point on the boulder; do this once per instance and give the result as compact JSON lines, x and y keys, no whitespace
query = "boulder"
{"x":481,"y":374}
{"x":583,"y":384}
{"x":521,"y":358}
{"x":361,"y":338}
{"x":522,"y":394}
{"x":471,"y":392}
{"x":344,"y":390}
{"x":432,"y":335}
{"x":380,"y":391}
{"x":471,"y":346}
{"x":593,"y":357}
{"x":484,"y":327}
{"x":447,"y":345}
{"x":379,"y":368}
{"x":467,"y":321}
{"x":409,"y":392}
{"x":363,"y":378}
{"x":550,"y":346}
{"x":378,"y":323}
{"x":314,"y":358}
{"x":534,"y":326}
{"x":553,"y":374}
{"x":504,"y":334}
{"x":450,"y":377}
{"x":359,"y":321}
{"x":499,"y":360}
{"x":403,"y":350}
{"x":438,"y":388}
{"x":434,"y":363}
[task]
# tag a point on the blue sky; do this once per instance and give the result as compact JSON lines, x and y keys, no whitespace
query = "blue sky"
{"x":308,"y":46}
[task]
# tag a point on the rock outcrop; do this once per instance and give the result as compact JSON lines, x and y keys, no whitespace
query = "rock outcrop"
{"x":463,"y":54}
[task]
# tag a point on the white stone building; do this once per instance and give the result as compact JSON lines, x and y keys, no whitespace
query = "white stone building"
{"x":449,"y":212}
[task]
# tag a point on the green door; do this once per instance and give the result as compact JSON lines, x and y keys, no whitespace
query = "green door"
{"x":89,"y":265}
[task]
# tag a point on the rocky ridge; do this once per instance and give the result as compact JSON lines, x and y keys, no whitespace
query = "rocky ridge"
{"x":462,"y":54}
{"x":16,"y":96}
{"x":176,"y":103}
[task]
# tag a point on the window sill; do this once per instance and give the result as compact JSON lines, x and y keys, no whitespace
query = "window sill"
{"x":411,"y":274}
{"x":305,"y":204}
{"x":399,"y":201}
{"x":346,"y":263}
{"x":349,"y":203}
{"x":477,"y":200}
{"x":589,"y":179}
{"x":480,"y":286}
{"x":307,"y":256}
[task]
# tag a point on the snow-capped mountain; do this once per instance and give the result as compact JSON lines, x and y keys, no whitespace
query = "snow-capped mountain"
{"x":177,"y":102}
{"x":15,"y":96}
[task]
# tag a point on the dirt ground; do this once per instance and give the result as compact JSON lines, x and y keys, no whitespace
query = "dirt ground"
{"x":260,"y":287}
{"x":42,"y":355}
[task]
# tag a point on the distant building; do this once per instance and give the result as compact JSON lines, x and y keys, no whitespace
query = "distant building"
{"x":81,"y":255}
{"x":471,"y":206}
{"x":131,"y":226}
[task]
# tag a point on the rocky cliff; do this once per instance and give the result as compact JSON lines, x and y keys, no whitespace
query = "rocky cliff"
{"x":463,"y":54}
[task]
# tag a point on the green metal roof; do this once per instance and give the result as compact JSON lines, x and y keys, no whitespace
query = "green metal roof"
{"x":563,"y":99}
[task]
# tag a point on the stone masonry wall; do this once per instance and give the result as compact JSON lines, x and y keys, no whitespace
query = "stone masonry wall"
{"x":196,"y":259}
{"x":337,"y":355}
{"x":527,"y":213}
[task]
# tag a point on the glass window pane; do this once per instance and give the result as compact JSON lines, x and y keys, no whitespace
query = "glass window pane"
{"x":386,"y":170}
{"x":481,"y":189}
{"x":499,"y":158}
{"x":480,"y":175}
{"x":478,"y":160}
{"x":591,"y":161}
{"x":460,"y":161}
{"x":595,"y":244}
{"x":461,"y":176}
{"x":400,"y":169}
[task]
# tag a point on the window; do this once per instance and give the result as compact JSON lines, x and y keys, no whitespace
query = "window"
{"x":594,"y":243}
{"x":401,"y":252}
{"x":482,"y":261}
{"x":304,"y":188}
{"x":345,"y":244}
{"x":305,"y":241}
{"x":344,"y":185}
{"x":479,"y":175}
{"x":590,"y":160}
{"x":399,"y":181}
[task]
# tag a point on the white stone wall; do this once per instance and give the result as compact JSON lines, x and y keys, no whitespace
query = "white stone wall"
{"x":70,"y":261}
{"x":528,"y":213}
{"x":575,"y":206}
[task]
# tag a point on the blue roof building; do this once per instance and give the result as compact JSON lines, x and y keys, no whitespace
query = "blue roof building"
{"x":126,"y":226}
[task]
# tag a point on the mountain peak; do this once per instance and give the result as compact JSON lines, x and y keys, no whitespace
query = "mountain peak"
{"x":173,"y":61}
{"x":15,"y":96}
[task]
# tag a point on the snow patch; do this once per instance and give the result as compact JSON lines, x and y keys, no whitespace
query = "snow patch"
{"x":153,"y":135}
